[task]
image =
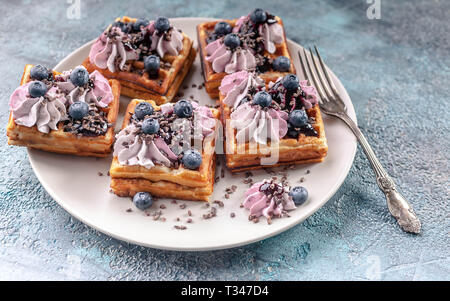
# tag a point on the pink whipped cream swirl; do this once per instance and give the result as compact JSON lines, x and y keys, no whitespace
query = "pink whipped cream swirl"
{"x":267,"y":199}
{"x":133,"y":149}
{"x":44,"y":112}
{"x":310,"y":91}
{"x":256,"y":124}
{"x":236,"y":86}
{"x":170,"y":42}
{"x":271,"y":33}
{"x":109,"y":51}
{"x":100,"y":93}
{"x":204,"y":121}
{"x":183,"y":138}
{"x":225,"y":60}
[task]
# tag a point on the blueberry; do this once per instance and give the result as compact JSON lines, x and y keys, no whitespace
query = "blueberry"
{"x":298,"y":118}
{"x":282,"y":64}
{"x":292,"y":132}
{"x":150,"y":126}
{"x":183,"y":109}
{"x":123,"y":26}
{"x":37,"y":89}
{"x":79,"y":76}
{"x":151,"y":64}
{"x":139,"y":22}
{"x":162,"y":24}
{"x":232,"y":40}
{"x":258,"y":16}
{"x":39,"y":72}
{"x":78,"y":110}
{"x":192,"y":159}
{"x":262,"y":98}
{"x":142,"y":109}
{"x":290,"y":82}
{"x":142,"y":200}
{"x":299,"y":195}
{"x":222,"y":28}
{"x":308,"y":130}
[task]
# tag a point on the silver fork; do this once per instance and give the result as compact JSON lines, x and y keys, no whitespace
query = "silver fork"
{"x":331,"y":103}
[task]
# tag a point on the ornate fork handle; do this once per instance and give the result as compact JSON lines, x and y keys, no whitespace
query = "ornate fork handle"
{"x":397,"y":204}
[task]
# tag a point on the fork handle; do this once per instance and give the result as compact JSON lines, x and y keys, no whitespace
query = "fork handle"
{"x":397,"y":204}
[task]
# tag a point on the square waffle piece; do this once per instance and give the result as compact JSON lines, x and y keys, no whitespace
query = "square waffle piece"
{"x":136,"y":44}
{"x":131,"y":171}
{"x":206,"y":34}
{"x":306,"y":144}
{"x":62,"y":141}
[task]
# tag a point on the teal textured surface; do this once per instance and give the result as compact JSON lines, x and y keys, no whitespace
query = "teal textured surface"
{"x":397,"y":72}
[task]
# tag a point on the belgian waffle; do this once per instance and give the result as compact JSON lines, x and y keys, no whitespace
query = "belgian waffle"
{"x":304,"y":149}
{"x":59,"y":141}
{"x":161,"y":89}
{"x":161,"y":181}
{"x":213,"y":79}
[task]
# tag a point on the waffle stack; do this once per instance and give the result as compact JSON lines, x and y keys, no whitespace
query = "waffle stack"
{"x":304,"y":149}
{"x":140,"y":85}
{"x":162,"y":181}
{"x":213,"y":79}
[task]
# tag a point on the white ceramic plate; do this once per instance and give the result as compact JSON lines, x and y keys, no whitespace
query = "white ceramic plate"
{"x":75,"y":184}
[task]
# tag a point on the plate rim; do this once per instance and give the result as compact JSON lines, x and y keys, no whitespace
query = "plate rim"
{"x":73,"y":213}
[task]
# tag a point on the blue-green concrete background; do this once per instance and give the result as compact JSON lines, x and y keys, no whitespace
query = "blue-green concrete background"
{"x":396,"y":70}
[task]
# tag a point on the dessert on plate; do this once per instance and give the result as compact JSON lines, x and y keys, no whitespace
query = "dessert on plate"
{"x":72,"y":112}
{"x":255,"y":42}
{"x":165,"y":150}
{"x":269,"y":199}
{"x":271,"y":125}
{"x":272,"y":199}
{"x":150,"y":59}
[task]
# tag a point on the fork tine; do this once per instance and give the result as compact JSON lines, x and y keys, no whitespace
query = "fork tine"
{"x":325,"y":71}
{"x":303,"y":66}
{"x":320,"y":76}
{"x":313,"y":76}
{"x":302,"y":63}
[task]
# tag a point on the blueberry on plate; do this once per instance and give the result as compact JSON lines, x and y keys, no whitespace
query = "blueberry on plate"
{"x":162,"y":24}
{"x":79,"y":76}
{"x":151,"y":64}
{"x":142,"y":200}
{"x":290,"y":82}
{"x":139,"y":22}
{"x":232,"y":40}
{"x":222,"y":28}
{"x":143,"y":109}
{"x":39,"y":72}
{"x":192,"y":159}
{"x":183,"y":109}
{"x":299,"y":195}
{"x":262,"y":98}
{"x":37,"y":89}
{"x":298,"y":118}
{"x":78,"y":110}
{"x":150,"y":126}
{"x":258,"y":16}
{"x":282,"y":64}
